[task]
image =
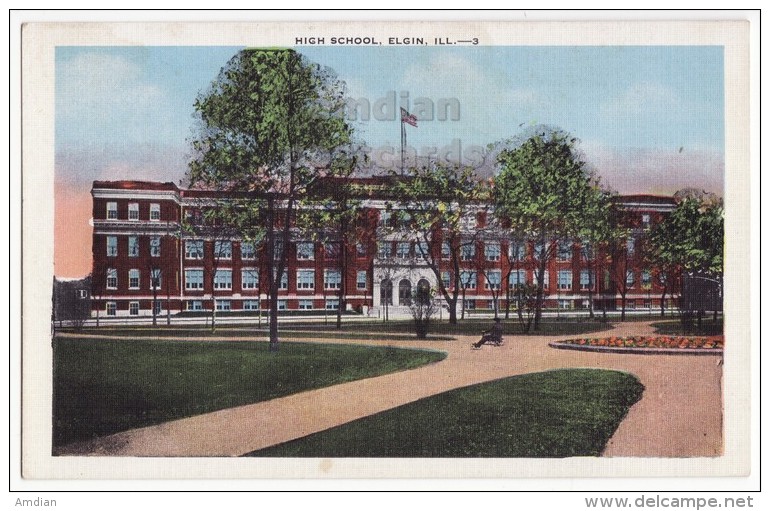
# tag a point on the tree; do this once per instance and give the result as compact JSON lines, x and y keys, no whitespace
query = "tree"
{"x":441,"y":205}
{"x":545,"y":192}
{"x":691,"y":238}
{"x":267,"y":127}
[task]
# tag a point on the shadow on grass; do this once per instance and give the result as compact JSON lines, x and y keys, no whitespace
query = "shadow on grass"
{"x":675,"y":327}
{"x":554,"y":414}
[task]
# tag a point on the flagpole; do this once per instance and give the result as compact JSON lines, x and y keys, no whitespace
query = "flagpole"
{"x":403,"y":143}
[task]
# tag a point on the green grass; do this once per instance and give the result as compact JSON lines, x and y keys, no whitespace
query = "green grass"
{"x":104,"y":386}
{"x":675,"y":327}
{"x":554,"y":414}
{"x":396,"y":330}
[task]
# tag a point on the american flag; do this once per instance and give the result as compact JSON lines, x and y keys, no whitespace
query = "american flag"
{"x":408,"y":118}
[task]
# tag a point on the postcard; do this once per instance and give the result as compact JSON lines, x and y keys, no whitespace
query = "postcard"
{"x":327,"y":250}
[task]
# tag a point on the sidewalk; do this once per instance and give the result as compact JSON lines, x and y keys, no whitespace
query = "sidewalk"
{"x":679,"y":415}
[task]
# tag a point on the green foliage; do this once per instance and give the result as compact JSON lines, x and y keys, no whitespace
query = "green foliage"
{"x":691,"y":238}
{"x":571,"y":412}
{"x":104,"y":386}
{"x":544,"y":192}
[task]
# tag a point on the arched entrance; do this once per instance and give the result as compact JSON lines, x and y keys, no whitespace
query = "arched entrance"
{"x":404,"y":292}
{"x":423,"y":291}
{"x":386,"y":292}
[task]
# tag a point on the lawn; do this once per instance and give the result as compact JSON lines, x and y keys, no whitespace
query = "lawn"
{"x":554,"y":414}
{"x":104,"y":386}
{"x":675,"y":327}
{"x":395,"y":330}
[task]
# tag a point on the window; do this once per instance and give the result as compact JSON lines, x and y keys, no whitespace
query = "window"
{"x":133,"y":308}
{"x":491,"y":304}
{"x":112,"y":278}
{"x":516,"y":250}
{"x":248,"y":250}
{"x":223,"y":279}
{"x":565,"y":304}
{"x":223,"y":249}
{"x":630,"y":278}
{"x":112,"y":246}
{"x":305,"y":279}
{"x":516,"y":279}
{"x":446,"y":250}
{"x":384,"y":250}
{"x":249,"y":278}
{"x":157,"y":307}
{"x":386,"y":292}
{"x":223,"y":305}
{"x":360,"y":250}
{"x":133,"y":279}
{"x":332,"y":279}
{"x":403,"y":249}
{"x":446,"y":279}
{"x":467,"y":252}
{"x":193,"y":279}
{"x":587,"y":279}
{"x":630,"y":245}
{"x":112,"y":210}
{"x":492,"y":251}
{"x":332,"y":304}
{"x":194,"y":305}
{"x":155,"y":278}
{"x":493,"y":280}
{"x":284,"y":282}
{"x":646,"y":279}
{"x":468,"y":279}
{"x":538,"y":251}
{"x":133,"y":211}
{"x":469,"y":305}
{"x":282,"y":305}
{"x":193,"y":249}
{"x":305,"y":251}
{"x":331,"y":251}
{"x":112,"y":309}
{"x":305,"y":305}
{"x":421,"y":249}
{"x":361,"y":280}
{"x":546,"y":279}
{"x":155,"y":212}
{"x":155,"y":247}
{"x":133,"y":246}
{"x":564,"y":252}
{"x":586,"y":251}
{"x":565,"y":279}
{"x":251,"y":305}
{"x":278,"y":250}
{"x":646,"y":221}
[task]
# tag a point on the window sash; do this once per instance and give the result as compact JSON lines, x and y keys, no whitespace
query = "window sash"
{"x":111,"y":309}
{"x":193,"y":249}
{"x":361,"y":280}
{"x":565,"y":279}
{"x":223,"y":249}
{"x":223,"y":279}
{"x":155,"y":247}
{"x":133,"y":279}
{"x":305,"y":279}
{"x":248,"y":251}
{"x":492,"y":252}
{"x":249,"y":278}
{"x":305,"y":251}
{"x":112,"y":210}
{"x":155,"y":212}
{"x":112,"y":246}
{"x":332,"y":279}
{"x":193,"y":279}
{"x":133,"y":211}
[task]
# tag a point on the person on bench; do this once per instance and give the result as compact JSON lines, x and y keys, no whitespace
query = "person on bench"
{"x":494,"y":336}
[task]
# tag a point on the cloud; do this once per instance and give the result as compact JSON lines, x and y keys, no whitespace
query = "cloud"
{"x":658,"y":171}
{"x":105,"y":99}
{"x":641,"y":98}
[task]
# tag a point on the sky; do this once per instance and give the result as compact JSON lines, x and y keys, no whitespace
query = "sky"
{"x":649,"y":119}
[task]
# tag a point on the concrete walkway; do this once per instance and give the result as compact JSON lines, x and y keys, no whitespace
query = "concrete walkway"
{"x":679,"y":415}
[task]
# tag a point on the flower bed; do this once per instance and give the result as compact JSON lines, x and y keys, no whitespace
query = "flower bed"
{"x":646,"y":344}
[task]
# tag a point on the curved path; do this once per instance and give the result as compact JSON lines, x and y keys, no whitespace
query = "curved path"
{"x":679,"y":415}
